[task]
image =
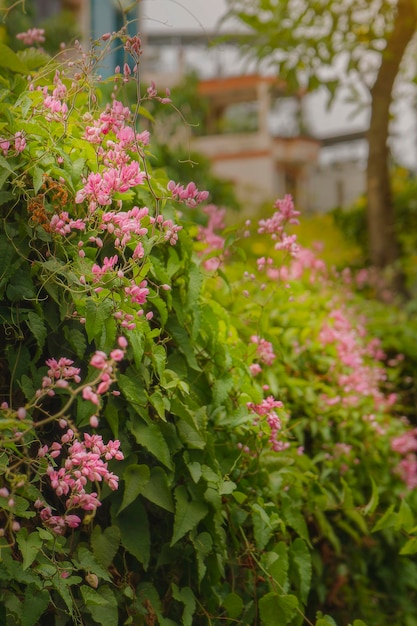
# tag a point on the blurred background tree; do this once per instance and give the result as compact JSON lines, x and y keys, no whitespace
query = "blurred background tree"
{"x":56,"y":17}
{"x":362,"y":43}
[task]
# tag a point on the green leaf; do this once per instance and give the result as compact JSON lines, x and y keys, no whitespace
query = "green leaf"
{"x":410,"y":547}
{"x":277,"y":609}
{"x":190,"y":436}
{"x":294,"y":518}
{"x":263,"y":525}
{"x":157,"y":401}
{"x":37,"y":328}
{"x":137,"y":343}
{"x":276,"y":562}
{"x":4,"y":164}
{"x":76,"y":340}
{"x":5,"y":196}
{"x":10,"y":60}
{"x":131,"y":389}
{"x":187,"y":514}
{"x":405,"y":519}
{"x":184,"y":344}
{"x":29,"y":546}
{"x":233,"y":605}
{"x":35,"y":603}
{"x":26,"y":385}
{"x":359,"y":622}
{"x":134,"y":532}
{"x":157,"y":489}
{"x":21,"y":286}
{"x":195,"y":280}
{"x":388,"y":520}
{"x":203,"y":544}
{"x":88,"y":562}
{"x":105,"y":544}
{"x":37,"y":179}
{"x":135,"y":478}
{"x":101,"y":604}
{"x":227,"y":487}
{"x":374,"y":499}
{"x":221,"y":389}
{"x":195,"y":470}
{"x":186,"y":596}
{"x":159,"y":358}
{"x":145,"y":113}
{"x":326,"y":620}
{"x":150,"y":437}
{"x":96,"y":313}
{"x":301,"y":559}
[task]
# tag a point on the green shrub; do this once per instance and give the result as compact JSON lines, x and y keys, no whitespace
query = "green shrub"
{"x":195,"y":429}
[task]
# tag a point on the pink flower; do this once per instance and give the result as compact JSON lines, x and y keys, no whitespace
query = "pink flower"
{"x":99,"y":360}
{"x":94,"y":422}
{"x":255,"y":369}
{"x":122,"y":341}
{"x":405,"y":443}
{"x":89,"y":394}
{"x":19,"y":142}
{"x":264,"y":350}
{"x":21,"y":413}
{"x":32,"y":36}
{"x":266,"y":410}
{"x":4,"y":146}
{"x":117,"y":355}
{"x":73,"y":521}
{"x":190,"y":195}
{"x":138,"y":293}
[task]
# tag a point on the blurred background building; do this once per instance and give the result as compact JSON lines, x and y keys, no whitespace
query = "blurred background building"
{"x":256,"y":135}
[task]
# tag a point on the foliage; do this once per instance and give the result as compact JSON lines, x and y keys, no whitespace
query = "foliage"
{"x":21,"y":16}
{"x":352,"y":222}
{"x":196,"y":427}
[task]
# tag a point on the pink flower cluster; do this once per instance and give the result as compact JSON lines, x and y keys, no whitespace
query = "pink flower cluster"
{"x":212,"y":240}
{"x":114,"y":118}
{"x":108,"y":266}
{"x":189,"y":195}
{"x":264,"y":350}
{"x":406,"y":445}
{"x":55,"y":103}
{"x":168,"y":228}
{"x":99,"y":188}
{"x":85,"y":462}
{"x":63,"y":225}
{"x":19,"y":143}
{"x":266,"y":410}
{"x":105,"y":365}
{"x":60,"y":373}
{"x":305,"y":260}
{"x":125,"y":224}
{"x":138,"y":293}
{"x":133,"y":45}
{"x":355,"y":376}
{"x":120,"y":173}
{"x":275,"y":225}
{"x":32,"y":36}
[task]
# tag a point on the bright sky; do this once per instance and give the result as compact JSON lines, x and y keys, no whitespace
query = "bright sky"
{"x":197,"y":15}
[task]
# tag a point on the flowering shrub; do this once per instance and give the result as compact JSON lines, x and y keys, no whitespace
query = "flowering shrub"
{"x":190,"y":433}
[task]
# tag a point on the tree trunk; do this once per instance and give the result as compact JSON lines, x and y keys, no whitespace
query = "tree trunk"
{"x":383,"y":245}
